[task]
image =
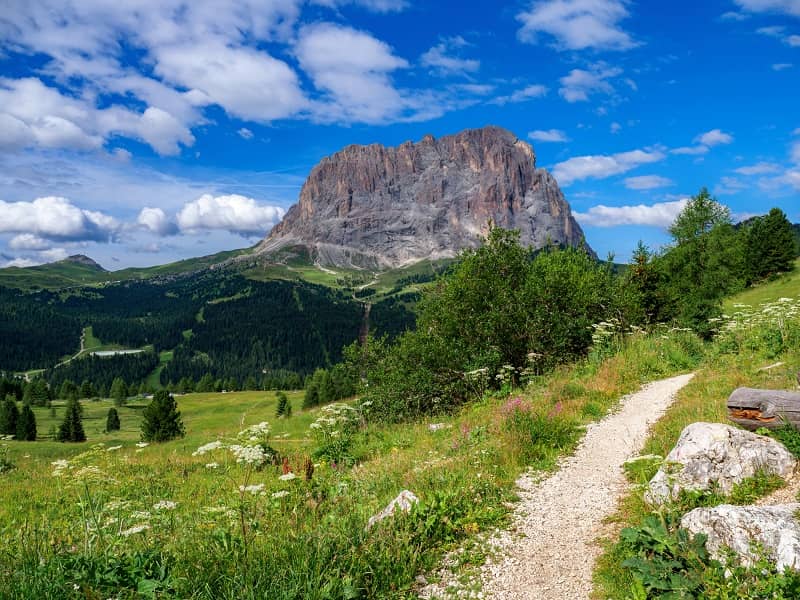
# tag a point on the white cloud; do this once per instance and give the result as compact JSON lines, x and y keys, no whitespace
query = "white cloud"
{"x":579,"y":84}
{"x":791,"y":7}
{"x":245,"y":133}
{"x":577,"y":24}
{"x":28,"y":241}
{"x":56,"y":218}
{"x":771,"y":31}
{"x":795,"y":153}
{"x":378,"y":6}
{"x":647,"y":182}
{"x":156,"y":221}
{"x":548,"y":135}
{"x":792,"y":40}
{"x":715,"y":137}
{"x":600,"y":167}
{"x":522,"y":95}
{"x":733,"y":16}
{"x":353,"y":69}
{"x":234,"y":213}
{"x":247,"y":83}
{"x":690,"y":150}
{"x":661,"y":214}
{"x":761,"y":168}
{"x":729,"y":185}
{"x":614,"y":127}
{"x":21,"y":262}
{"x":782,"y":66}
{"x":442,"y":58}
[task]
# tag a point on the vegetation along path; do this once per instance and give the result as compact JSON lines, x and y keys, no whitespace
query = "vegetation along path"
{"x":549,"y":552}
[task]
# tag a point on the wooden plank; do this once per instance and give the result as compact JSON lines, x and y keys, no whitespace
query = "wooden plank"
{"x":753,"y":408}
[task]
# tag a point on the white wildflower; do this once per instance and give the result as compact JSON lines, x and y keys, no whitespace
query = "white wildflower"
{"x":135,"y":529}
{"x":59,"y":466}
{"x":165,"y":505}
{"x":251,"y":455}
{"x":212,"y":465}
{"x":288,"y":477}
{"x":112,"y":448}
{"x":252,"y":489}
{"x":142,"y":444}
{"x":280,"y":494}
{"x":208,"y":448}
{"x":140,"y":515}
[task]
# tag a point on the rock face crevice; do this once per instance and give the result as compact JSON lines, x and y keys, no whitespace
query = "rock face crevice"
{"x":373,"y":206}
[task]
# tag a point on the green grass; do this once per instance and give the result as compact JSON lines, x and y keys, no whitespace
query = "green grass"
{"x":153,"y":380}
{"x":785,"y":286}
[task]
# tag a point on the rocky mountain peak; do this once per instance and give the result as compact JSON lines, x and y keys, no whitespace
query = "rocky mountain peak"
{"x":378,"y":207}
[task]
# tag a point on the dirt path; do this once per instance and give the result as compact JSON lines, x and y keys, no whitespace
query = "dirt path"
{"x":549,"y":552}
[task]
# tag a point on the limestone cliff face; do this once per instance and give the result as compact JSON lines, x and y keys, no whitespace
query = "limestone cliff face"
{"x":378,"y":207}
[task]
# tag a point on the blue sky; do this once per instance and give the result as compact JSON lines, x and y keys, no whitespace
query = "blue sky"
{"x":145,"y":131}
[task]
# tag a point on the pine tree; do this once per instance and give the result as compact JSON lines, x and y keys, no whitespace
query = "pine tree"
{"x":9,"y":416}
{"x":206,"y":383}
{"x":162,"y":420}
{"x":71,"y":429}
{"x":770,"y":245}
{"x":26,"y":426}
{"x":284,"y":407}
{"x":119,"y":391}
{"x":112,"y":420}
{"x":87,"y":389}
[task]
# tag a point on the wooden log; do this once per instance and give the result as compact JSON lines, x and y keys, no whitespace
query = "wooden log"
{"x":753,"y":408}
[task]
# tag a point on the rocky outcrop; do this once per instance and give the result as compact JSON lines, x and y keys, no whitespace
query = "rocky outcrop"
{"x":773,"y":530}
{"x":373,"y":206}
{"x":716,"y":455}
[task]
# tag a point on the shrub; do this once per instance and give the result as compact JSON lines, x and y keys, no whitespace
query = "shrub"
{"x":162,"y":420}
{"x":333,"y":432}
{"x":112,"y":420}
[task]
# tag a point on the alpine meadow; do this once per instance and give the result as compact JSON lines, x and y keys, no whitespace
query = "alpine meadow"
{"x":380,"y":299}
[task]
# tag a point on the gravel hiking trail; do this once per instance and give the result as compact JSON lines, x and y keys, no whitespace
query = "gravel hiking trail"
{"x":549,"y":552}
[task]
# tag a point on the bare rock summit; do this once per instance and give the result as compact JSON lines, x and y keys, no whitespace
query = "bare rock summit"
{"x":378,"y":207}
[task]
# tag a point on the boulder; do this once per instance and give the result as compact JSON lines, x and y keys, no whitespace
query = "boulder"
{"x":772,"y":531}
{"x":710,"y":455}
{"x":404,"y":501}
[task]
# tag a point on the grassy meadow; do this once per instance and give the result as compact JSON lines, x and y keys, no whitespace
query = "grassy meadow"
{"x":128,"y":520}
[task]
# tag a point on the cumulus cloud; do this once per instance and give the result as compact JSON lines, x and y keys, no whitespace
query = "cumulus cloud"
{"x":661,"y":214}
{"x":791,"y":7}
{"x":28,"y":241}
{"x":647,"y":182}
{"x":156,"y":221}
{"x":234,"y":213}
{"x":443,"y":58}
{"x":529,"y":92}
{"x":579,"y":84}
{"x":600,"y":166}
{"x":715,"y":137}
{"x":378,"y":6}
{"x":577,"y":24}
{"x":245,"y":133}
{"x":56,"y":218}
{"x":548,"y":135}
{"x":353,"y":69}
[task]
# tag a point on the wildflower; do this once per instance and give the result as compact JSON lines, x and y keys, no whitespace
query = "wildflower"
{"x":140,"y":515}
{"x":287,"y":477}
{"x":135,"y":529}
{"x":112,"y":448}
{"x":280,"y":494}
{"x":251,"y":455}
{"x":252,"y":489}
{"x":212,"y":465}
{"x":165,"y":505}
{"x":142,"y":444}
{"x":208,"y":448}
{"x":59,"y":466}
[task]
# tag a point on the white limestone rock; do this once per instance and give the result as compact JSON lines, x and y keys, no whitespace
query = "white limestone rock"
{"x":746,"y":529}
{"x":714,"y":454}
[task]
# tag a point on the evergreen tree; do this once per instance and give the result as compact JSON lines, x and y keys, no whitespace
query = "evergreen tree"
{"x":185,"y":386}
{"x":71,"y":429}
{"x":37,"y":393}
{"x":250,"y":383}
{"x":206,"y":383}
{"x":112,"y":420}
{"x":162,"y":420}
{"x":770,"y":245}
{"x":9,"y":416}
{"x":68,"y":390}
{"x":119,"y":391}
{"x":284,"y":407}
{"x":87,"y":389}
{"x":26,"y":426}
